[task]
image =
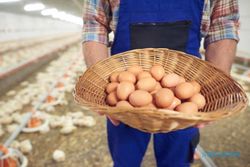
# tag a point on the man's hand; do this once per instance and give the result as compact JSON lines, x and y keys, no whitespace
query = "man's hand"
{"x":112,"y":120}
{"x":203,"y":125}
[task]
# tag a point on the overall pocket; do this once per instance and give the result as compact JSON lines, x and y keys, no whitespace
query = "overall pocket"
{"x":172,"y":35}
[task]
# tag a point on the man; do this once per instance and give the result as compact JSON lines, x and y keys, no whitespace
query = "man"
{"x":174,"y":24}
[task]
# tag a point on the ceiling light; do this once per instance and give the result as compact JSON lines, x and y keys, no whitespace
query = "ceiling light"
{"x":34,"y":7}
{"x":68,"y":17}
{"x":48,"y":12}
{"x":8,"y":1}
{"x":59,"y":15}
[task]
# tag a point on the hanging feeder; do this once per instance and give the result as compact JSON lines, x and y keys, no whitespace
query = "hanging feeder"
{"x":36,"y":123}
{"x":12,"y":158}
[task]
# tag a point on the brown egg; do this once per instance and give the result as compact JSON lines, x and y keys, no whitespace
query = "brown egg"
{"x":154,"y":92}
{"x":164,"y":97}
{"x":140,"y":98}
{"x":114,"y":77}
{"x":112,"y":99}
{"x":144,"y":74}
{"x":198,"y":99}
{"x":184,"y":90}
{"x":151,"y":105}
{"x":111,"y":87}
{"x":173,"y":89}
{"x":124,"y":104}
{"x":157,"y":71}
{"x":197,"y":87}
{"x":127,"y":76}
{"x":124,"y":89}
{"x":135,"y":70}
{"x":182,"y":80}
{"x":147,"y":84}
{"x":157,"y":87}
{"x":175,"y":103}
{"x":187,"y":107}
{"x":170,"y":80}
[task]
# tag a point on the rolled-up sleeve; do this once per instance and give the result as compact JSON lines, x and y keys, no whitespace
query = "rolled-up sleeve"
{"x":224,"y":21}
{"x":96,"y":19}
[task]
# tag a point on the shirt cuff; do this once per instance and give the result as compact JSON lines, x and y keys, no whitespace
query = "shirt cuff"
{"x":222,"y":31}
{"x":101,"y":38}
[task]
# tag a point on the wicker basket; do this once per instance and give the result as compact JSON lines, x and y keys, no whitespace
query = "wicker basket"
{"x":224,"y":96}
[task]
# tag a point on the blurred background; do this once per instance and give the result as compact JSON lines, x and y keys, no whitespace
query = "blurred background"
{"x":40,"y":61}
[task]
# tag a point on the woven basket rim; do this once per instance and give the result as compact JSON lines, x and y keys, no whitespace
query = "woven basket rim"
{"x":188,"y":116}
{"x":183,"y":54}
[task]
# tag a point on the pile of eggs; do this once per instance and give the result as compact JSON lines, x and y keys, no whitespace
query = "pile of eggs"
{"x":153,"y":89}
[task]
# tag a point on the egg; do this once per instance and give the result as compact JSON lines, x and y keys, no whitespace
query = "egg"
{"x":124,"y":104}
{"x":126,"y":76}
{"x":153,"y":92}
{"x":187,"y":107}
{"x":140,"y":98}
{"x":182,"y":80}
{"x":184,"y":90}
{"x":157,"y":71}
{"x":175,"y":103}
{"x":197,"y":86}
{"x":111,"y":87}
{"x":151,"y":105}
{"x":144,"y":74}
{"x":170,"y":80}
{"x":157,"y":87}
{"x":114,"y":77}
{"x":172,"y":88}
{"x":198,"y":99}
{"x":124,"y":89}
{"x":164,"y":97}
{"x":112,"y":99}
{"x":135,"y":70}
{"x":147,"y":84}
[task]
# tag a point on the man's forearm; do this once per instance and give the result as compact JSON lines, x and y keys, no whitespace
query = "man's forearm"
{"x":94,"y":52}
{"x":221,"y":54}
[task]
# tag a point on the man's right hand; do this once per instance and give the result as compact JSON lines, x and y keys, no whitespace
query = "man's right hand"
{"x":112,"y":120}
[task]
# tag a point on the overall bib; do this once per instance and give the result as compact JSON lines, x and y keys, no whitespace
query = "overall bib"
{"x":173,"y":24}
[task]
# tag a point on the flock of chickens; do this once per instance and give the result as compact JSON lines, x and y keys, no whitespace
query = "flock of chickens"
{"x":41,"y":97}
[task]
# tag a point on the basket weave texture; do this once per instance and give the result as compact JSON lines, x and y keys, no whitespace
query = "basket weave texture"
{"x":224,"y":96}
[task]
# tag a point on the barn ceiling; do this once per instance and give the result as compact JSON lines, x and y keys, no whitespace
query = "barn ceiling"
{"x":70,"y":6}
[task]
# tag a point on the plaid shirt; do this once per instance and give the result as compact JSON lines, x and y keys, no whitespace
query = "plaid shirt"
{"x":220,"y":20}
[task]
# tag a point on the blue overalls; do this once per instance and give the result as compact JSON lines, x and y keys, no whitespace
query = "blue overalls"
{"x":128,"y":145}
